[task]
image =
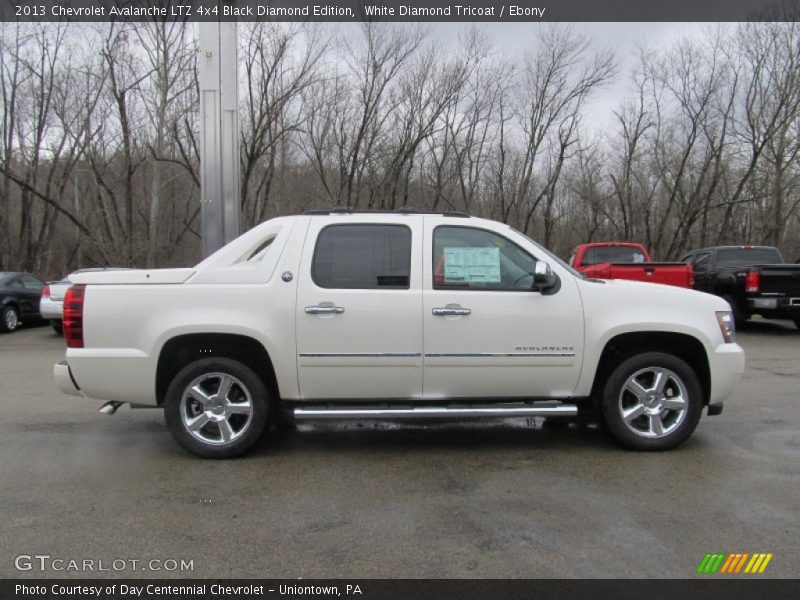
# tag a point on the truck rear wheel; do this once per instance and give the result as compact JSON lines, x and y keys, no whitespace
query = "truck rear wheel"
{"x":216,"y":408}
{"x":652,"y":401}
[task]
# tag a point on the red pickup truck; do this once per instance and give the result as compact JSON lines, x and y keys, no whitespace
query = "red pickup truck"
{"x":628,"y":260}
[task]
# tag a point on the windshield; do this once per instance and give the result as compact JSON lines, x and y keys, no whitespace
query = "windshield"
{"x":746,"y":257}
{"x":614,"y":254}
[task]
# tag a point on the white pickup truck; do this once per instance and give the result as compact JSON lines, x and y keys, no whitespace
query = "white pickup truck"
{"x":400,"y":315}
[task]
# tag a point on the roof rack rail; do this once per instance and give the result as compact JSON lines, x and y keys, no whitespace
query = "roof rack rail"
{"x":405,"y":210}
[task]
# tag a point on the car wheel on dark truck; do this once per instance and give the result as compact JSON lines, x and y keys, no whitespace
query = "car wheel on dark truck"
{"x":216,"y":408}
{"x":652,"y":401}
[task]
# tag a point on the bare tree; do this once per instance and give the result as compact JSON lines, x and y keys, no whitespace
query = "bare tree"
{"x":558,"y":76}
{"x":99,"y":133}
{"x":280,"y":62}
{"x":170,"y":60}
{"x":44,"y":136}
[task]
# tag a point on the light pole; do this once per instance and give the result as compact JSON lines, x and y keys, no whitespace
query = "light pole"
{"x":219,"y":132}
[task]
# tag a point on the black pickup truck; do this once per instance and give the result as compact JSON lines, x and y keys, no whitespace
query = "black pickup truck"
{"x":755,"y":280}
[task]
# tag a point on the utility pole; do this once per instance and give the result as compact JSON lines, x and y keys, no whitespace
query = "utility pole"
{"x":219,"y":133}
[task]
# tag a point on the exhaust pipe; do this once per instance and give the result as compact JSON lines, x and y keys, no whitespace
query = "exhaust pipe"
{"x":109,"y":408}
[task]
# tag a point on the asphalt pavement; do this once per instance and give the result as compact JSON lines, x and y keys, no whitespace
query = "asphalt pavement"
{"x":360,"y":500}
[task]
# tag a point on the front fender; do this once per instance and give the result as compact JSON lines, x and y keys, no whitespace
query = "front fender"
{"x":619,"y":307}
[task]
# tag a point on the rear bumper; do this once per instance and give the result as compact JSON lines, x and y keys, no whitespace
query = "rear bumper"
{"x":119,"y":374}
{"x":64,"y":380}
{"x":727,"y":363}
{"x":773,"y":307}
{"x":51,"y":309}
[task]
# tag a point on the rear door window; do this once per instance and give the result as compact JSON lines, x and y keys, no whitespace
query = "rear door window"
{"x":32,"y":283}
{"x":362,"y":256}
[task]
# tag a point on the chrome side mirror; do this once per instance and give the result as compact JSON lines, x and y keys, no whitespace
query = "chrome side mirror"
{"x":544,"y":280}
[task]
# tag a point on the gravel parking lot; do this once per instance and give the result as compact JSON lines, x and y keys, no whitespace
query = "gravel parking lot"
{"x":489,"y":500}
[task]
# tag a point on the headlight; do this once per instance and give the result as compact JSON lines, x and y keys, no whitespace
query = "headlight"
{"x":726,"y":326}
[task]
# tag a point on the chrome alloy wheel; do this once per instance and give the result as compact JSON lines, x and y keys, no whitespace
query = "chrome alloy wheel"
{"x":11,"y":319}
{"x":653,"y":402}
{"x":216,"y":408}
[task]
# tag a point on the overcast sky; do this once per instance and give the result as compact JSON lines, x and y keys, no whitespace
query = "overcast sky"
{"x":624,"y":38}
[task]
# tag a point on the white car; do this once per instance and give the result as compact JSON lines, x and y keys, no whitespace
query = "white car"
{"x":51,"y":304}
{"x":401,"y":315}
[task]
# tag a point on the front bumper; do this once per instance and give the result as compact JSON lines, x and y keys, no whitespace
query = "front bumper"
{"x":727,"y":363}
{"x":64,"y":379}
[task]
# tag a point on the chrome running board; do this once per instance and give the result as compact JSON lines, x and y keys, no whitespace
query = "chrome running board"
{"x":436,"y":412}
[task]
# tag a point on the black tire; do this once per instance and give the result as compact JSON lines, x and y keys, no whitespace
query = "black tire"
{"x":739,"y":316}
{"x":178,"y":413}
{"x":58,"y":326}
{"x":676,"y":425}
{"x":797,"y":323}
{"x":9,"y":319}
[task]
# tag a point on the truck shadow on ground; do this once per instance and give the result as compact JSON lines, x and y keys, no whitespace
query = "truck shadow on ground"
{"x":763,"y":327}
{"x":404,"y":438}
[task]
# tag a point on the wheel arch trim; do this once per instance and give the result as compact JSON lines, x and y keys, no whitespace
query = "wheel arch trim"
{"x":180,"y":348}
{"x":687,"y":345}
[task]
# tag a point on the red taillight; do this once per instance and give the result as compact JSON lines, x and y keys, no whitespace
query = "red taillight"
{"x":46,"y":292}
{"x":691,"y":277}
{"x":73,"y":315}
{"x":752,"y":285}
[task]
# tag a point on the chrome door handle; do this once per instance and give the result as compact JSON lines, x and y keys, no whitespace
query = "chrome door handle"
{"x":451,"y":311}
{"x":324,"y":309}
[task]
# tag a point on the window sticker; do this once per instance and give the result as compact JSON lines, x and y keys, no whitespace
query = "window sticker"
{"x":472,"y":265}
{"x":638,"y":257}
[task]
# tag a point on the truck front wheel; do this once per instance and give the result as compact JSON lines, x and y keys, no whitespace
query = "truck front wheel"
{"x":652,"y":401}
{"x":216,"y":407}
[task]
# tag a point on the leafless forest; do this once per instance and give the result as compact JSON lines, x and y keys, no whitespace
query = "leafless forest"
{"x":98,"y":163}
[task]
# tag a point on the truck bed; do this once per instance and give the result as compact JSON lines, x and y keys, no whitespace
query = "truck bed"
{"x":668,"y":273}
